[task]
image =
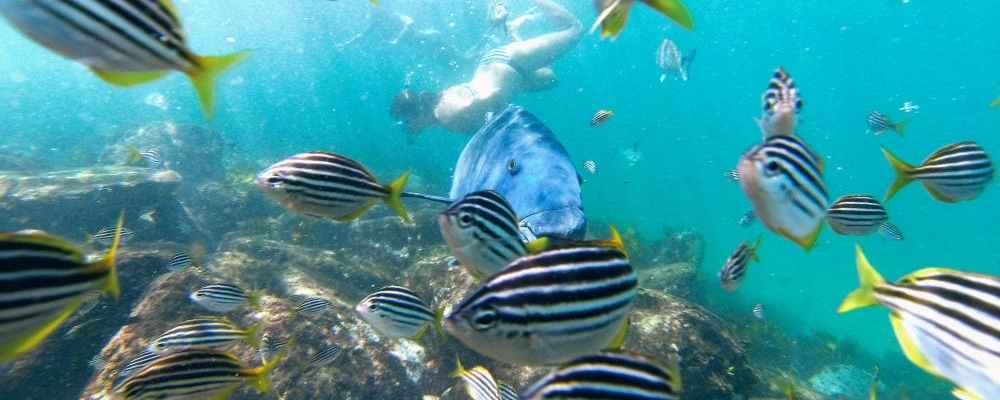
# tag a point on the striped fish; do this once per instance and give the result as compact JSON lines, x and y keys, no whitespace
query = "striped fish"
{"x":152,"y":158}
{"x":97,"y":362}
{"x":224,"y":297}
{"x":507,"y":392}
{"x":879,"y":123}
{"x":43,"y":281}
{"x":482,"y":232}
{"x":479,"y":382}
{"x":550,"y":307}
{"x":179,"y":262}
{"x":859,"y":214}
{"x":397,"y":312}
{"x":733,"y":175}
{"x":609,"y":375}
{"x":323,"y":184}
{"x":746,"y":219}
{"x":590,"y":166}
{"x":106,"y":235}
{"x":953,"y":173}
{"x":758,"y":311}
{"x":204,"y":333}
{"x":124,"y":42}
{"x":313,"y":306}
{"x":138,"y":362}
{"x":670,"y":61}
{"x":600,"y":118}
{"x":271,"y":345}
{"x":782,"y":104}
{"x":612,"y":14}
{"x":784,"y":180}
{"x":947,"y":322}
{"x":193,"y":374}
{"x":324,"y":357}
{"x":735,"y":268}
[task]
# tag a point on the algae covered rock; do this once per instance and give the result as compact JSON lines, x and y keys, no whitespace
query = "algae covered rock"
{"x":676,"y":279}
{"x":196,"y":152}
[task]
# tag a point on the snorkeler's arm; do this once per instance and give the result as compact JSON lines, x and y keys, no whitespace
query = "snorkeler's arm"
{"x":541,"y":51}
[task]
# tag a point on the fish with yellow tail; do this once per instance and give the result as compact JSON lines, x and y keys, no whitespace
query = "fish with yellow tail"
{"x":609,"y":375}
{"x":784,"y":180}
{"x":947,"y":322}
{"x":208,"y":374}
{"x":612,"y":14}
{"x":953,"y":173}
{"x":44,"y":280}
{"x":735,"y":268}
{"x":479,"y":382}
{"x":125,"y":42}
{"x":321,"y":184}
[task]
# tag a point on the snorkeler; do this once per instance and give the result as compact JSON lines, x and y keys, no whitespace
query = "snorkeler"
{"x":502,"y":73}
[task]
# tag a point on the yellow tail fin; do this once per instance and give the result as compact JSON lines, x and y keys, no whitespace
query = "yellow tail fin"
{"x":674,"y":10}
{"x":903,"y":171}
{"x":995,"y":103}
{"x":25,"y":341}
{"x":262,"y":380}
{"x":753,"y":249}
{"x":900,"y":127}
{"x":863,"y":296}
{"x":612,"y":18}
{"x":204,"y":77}
{"x":108,"y":262}
{"x":459,"y":369}
{"x":395,"y":190}
{"x":250,"y":335}
{"x":616,"y":240}
{"x":538,"y":245}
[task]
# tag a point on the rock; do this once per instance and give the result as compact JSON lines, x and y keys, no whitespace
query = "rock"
{"x":677,"y":279}
{"x":73,"y":203}
{"x":194,"y":151}
{"x":11,"y":161}
{"x":676,"y":246}
{"x":712,"y":359}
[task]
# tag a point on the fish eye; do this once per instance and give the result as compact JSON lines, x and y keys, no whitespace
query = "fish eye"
{"x":771,"y":168}
{"x":373,"y":307}
{"x":464,"y":219}
{"x":484,"y":319}
{"x":512,"y":166}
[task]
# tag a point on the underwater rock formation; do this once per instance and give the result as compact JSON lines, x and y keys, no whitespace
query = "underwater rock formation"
{"x":72,"y":203}
{"x":194,"y":151}
{"x":676,"y":246}
{"x":677,"y":279}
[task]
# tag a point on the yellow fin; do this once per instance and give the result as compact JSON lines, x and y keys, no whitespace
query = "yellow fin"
{"x":395,"y":189}
{"x":133,"y":155}
{"x":29,"y":340}
{"x":261,"y":380}
{"x":612,"y":18}
{"x":900,"y":127}
{"x":250,"y":335}
{"x":374,"y":2}
{"x":903,"y":171}
{"x":420,"y":333}
{"x":756,"y":245}
{"x":356,"y":214}
{"x":616,"y":241}
{"x":205,"y":75}
{"x":995,"y":103}
{"x":225,"y":393}
{"x":868,"y":279}
{"x":963,"y":394}
{"x":806,"y":242}
{"x":674,"y":10}
{"x":128,"y":78}
{"x":439,"y":322}
{"x":538,"y":245}
{"x":107,"y":263}
{"x":619,"y":340}
{"x":910,"y":348}
{"x":459,"y":369}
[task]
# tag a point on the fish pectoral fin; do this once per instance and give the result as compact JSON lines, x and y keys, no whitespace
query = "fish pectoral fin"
{"x":119,"y":78}
{"x":963,"y":394}
{"x":356,"y":214}
{"x":910,"y":348}
{"x":28,"y":340}
{"x":619,"y":340}
{"x":673,"y":9}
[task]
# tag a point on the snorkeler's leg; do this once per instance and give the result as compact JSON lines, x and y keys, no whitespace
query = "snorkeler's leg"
{"x":540,"y":79}
{"x":541,"y":51}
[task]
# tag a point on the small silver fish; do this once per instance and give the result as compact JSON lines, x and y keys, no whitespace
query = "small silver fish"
{"x":758,"y":311}
{"x":590,"y":166}
{"x":152,"y":158}
{"x":600,"y":117}
{"x":909,"y":107}
{"x":671,"y":62}
{"x":879,"y":123}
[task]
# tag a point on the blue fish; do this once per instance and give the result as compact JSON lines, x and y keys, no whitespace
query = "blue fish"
{"x":516,"y":155}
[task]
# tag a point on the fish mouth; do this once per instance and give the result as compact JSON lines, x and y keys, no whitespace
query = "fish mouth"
{"x":566,"y":223}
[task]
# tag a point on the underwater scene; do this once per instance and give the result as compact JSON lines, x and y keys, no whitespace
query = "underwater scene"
{"x":499,"y":199}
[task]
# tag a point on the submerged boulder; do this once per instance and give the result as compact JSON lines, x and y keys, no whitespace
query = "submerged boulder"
{"x":196,"y":152}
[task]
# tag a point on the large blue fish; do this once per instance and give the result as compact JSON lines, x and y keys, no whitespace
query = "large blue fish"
{"x":516,"y":155}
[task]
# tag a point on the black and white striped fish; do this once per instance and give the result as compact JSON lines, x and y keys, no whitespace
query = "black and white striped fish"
{"x":137,"y":363}
{"x":758,"y":311}
{"x":947,"y":322}
{"x":733,"y":175}
{"x":609,"y":375}
{"x":198,"y":373}
{"x":97,"y":362}
{"x":106,"y":235}
{"x":601,"y":117}
{"x":124,"y":42}
{"x":507,"y":392}
{"x":953,"y":173}
{"x":179,"y":262}
{"x":271,"y":345}
{"x":397,"y":312}
{"x":43,"y":281}
{"x":879,"y":123}
{"x":781,"y":104}
{"x":478,"y":381}
{"x":152,"y":158}
{"x":784,"y":180}
{"x":482,"y":232}
{"x":203,"y":333}
{"x":735,"y":268}
{"x":590,"y":166}
{"x":325,"y":357}
{"x":321,"y":184}
{"x":859,"y":214}
{"x":313,"y":306}
{"x":549,"y":307}
{"x":224,"y":297}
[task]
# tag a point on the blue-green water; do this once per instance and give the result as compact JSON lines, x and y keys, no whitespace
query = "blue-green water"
{"x":299,"y":92}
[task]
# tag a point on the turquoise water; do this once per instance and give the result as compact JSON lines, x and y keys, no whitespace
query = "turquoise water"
{"x":299,"y":92}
